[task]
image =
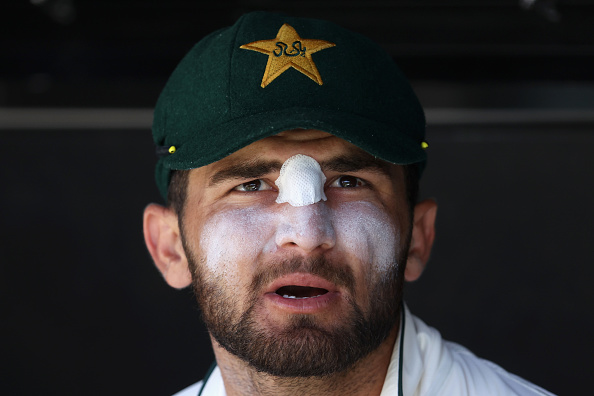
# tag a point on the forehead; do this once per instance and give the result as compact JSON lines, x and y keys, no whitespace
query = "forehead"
{"x":314,"y":143}
{"x":266,"y":156}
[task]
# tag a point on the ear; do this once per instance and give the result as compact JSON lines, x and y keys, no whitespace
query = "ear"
{"x":423,"y":234}
{"x":163,"y":240}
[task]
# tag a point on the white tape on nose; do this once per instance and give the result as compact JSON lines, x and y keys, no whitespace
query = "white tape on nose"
{"x":301,"y":181}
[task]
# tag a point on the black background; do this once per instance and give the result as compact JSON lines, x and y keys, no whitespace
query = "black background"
{"x":509,"y":94}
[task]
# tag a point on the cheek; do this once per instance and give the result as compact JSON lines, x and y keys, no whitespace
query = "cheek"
{"x":367,"y":232}
{"x":233,"y":238}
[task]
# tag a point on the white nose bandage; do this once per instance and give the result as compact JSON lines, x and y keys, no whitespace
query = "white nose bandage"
{"x":301,"y":181}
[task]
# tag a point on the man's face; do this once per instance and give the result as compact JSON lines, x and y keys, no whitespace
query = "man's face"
{"x":297,"y":291}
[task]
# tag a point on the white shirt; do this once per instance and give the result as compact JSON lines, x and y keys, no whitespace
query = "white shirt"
{"x":431,"y":367}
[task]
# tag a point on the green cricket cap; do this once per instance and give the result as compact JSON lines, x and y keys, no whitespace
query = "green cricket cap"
{"x":269,"y":73}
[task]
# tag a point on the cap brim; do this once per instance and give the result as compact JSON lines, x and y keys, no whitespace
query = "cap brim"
{"x":380,"y":140}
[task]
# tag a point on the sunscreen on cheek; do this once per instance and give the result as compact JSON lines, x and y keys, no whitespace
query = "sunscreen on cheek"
{"x":366,"y":232}
{"x":301,"y":181}
{"x":234,"y":239}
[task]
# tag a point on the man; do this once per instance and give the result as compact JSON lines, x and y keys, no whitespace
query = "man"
{"x":291,"y":152}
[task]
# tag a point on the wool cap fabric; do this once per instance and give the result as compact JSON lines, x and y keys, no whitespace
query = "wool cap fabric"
{"x":269,"y":73}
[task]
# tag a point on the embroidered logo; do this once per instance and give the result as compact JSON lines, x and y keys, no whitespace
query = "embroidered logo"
{"x":289,"y":50}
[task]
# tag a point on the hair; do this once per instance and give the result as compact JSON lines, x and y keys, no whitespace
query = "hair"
{"x":411,"y":182}
{"x":178,"y":189}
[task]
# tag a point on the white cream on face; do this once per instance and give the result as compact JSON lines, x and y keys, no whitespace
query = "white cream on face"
{"x":238,"y":239}
{"x":301,"y":181}
{"x":366,"y":232}
{"x":233,"y":238}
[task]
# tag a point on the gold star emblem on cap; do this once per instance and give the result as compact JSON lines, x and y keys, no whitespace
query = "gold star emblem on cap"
{"x":289,"y":50}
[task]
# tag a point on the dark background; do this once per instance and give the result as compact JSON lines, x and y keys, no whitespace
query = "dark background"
{"x":508,"y":88}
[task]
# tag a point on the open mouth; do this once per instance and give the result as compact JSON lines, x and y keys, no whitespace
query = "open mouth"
{"x":300,"y":292}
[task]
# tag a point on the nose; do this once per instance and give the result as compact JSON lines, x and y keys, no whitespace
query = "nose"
{"x":305,"y":229}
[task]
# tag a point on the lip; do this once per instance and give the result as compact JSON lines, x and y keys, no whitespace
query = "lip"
{"x":301,"y":279}
{"x":303,"y":305}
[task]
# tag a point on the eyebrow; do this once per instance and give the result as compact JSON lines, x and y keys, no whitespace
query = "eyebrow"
{"x":356,"y":162}
{"x":247,"y":170}
{"x":255,"y":169}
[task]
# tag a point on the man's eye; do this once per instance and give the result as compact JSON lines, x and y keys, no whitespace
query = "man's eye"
{"x":347,"y":182}
{"x":254,"y":185}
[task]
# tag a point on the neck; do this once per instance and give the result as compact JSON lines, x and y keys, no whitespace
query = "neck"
{"x":366,"y":377}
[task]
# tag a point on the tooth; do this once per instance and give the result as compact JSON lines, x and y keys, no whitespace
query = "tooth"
{"x":299,"y":298}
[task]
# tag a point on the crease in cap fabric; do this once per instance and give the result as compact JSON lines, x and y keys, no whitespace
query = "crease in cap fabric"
{"x":269,"y":73}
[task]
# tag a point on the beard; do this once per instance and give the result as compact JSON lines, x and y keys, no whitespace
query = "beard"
{"x":302,"y":347}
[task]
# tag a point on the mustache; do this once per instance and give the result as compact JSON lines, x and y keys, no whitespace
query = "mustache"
{"x":338,"y":274}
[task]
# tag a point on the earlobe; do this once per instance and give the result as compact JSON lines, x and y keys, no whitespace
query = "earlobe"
{"x":423,"y":235}
{"x":163,"y":240}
